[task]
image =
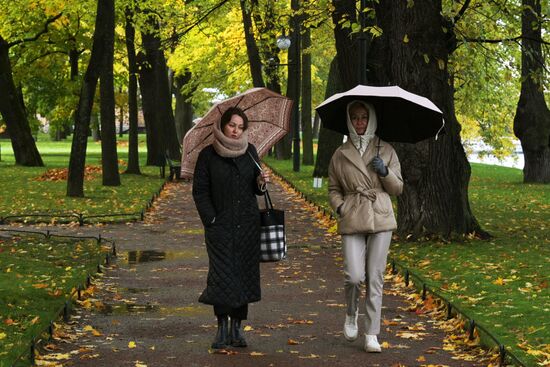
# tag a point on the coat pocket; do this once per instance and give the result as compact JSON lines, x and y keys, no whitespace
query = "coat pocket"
{"x":382,"y":205}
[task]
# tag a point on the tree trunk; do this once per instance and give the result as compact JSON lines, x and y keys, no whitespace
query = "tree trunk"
{"x":168,"y":141}
{"x":251,"y":46}
{"x":329,"y":140}
{"x":148,"y":103}
{"x":184,"y":108}
{"x":307,"y":129}
{"x":14,"y":114}
{"x":436,"y":173}
{"x":109,"y":156}
{"x":121,"y":116}
{"x":269,"y":51}
{"x":532,"y":120}
{"x":75,"y":181}
{"x":346,"y":43}
{"x":133,"y":151}
{"x":316,"y":126}
{"x":293,"y":85}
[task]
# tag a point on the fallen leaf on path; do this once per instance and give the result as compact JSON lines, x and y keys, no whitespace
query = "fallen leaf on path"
{"x":131,"y":345}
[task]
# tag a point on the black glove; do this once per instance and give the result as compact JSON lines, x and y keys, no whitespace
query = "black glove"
{"x":379,"y":167}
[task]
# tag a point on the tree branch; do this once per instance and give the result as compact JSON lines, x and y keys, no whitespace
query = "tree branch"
{"x":45,"y":30}
{"x":486,"y":40}
{"x":461,"y":11}
{"x":176,"y":36}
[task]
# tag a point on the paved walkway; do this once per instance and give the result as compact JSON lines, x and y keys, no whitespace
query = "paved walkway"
{"x":147,"y":312}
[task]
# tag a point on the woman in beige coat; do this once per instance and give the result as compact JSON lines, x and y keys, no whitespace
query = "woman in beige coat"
{"x":363,"y":173}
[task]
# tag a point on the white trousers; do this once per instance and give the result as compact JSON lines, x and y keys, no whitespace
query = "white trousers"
{"x":365,"y":259}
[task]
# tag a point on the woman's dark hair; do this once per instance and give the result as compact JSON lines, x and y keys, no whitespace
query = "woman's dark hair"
{"x":226,"y":117}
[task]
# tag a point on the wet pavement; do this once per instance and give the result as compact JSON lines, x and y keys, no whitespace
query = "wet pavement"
{"x":145,"y":310}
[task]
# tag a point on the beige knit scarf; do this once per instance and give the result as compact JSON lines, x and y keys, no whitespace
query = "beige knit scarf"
{"x":229,"y":147}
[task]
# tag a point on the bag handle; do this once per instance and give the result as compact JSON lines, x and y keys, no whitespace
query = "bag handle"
{"x":267,"y":198}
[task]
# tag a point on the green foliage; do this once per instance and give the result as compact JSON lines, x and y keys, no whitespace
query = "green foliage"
{"x":502,"y":283}
{"x":37,"y":276}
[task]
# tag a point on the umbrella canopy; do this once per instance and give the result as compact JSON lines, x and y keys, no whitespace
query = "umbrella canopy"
{"x":402,"y":116}
{"x":268,"y":115}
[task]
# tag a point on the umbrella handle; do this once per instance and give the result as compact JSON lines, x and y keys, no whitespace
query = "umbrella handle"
{"x":256,"y":163}
{"x":378,"y":148}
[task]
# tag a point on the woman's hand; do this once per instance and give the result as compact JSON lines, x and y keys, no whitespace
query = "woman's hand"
{"x":263,"y":179}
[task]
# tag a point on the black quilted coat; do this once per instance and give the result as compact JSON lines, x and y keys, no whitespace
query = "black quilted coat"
{"x":226,"y":189}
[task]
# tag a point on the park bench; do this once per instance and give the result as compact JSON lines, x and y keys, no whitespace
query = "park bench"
{"x":173,"y":166}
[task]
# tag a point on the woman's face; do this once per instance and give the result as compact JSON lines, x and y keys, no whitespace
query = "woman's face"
{"x":234,"y":128}
{"x":359,"y":117}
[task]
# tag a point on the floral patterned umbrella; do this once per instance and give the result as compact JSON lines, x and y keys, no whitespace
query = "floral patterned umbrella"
{"x":268,"y":115}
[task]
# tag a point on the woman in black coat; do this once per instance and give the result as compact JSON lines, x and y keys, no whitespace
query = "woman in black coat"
{"x":225,"y":184}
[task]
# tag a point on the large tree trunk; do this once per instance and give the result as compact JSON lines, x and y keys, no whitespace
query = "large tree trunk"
{"x":148,"y":103}
{"x":329,"y":140}
{"x":184,"y":108}
{"x":307,"y":129}
{"x":14,"y":114}
{"x":436,"y":173}
{"x":251,"y":46}
{"x":133,"y":151}
{"x":75,"y":181}
{"x":283,"y":150}
{"x":269,"y":51}
{"x":109,"y":156}
{"x":532,"y":120}
{"x":168,"y":141}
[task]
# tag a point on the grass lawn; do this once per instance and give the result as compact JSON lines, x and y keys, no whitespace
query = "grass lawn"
{"x":37,"y":276}
{"x":501,"y":283}
{"x":23,"y":190}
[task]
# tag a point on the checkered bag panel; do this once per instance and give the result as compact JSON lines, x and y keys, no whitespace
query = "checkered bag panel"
{"x":272,"y":243}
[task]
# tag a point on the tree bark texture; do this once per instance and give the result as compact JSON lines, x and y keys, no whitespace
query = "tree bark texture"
{"x":436,"y":173}
{"x":14,"y":114}
{"x":184,"y":108}
{"x":109,"y":156}
{"x":284,"y":148}
{"x":532,"y":120}
{"x":251,"y":46}
{"x":77,"y":162}
{"x":133,"y":151}
{"x":163,"y":99}
{"x":148,"y":103}
{"x":267,"y":30}
{"x":307,"y":129}
{"x":329,"y":140}
{"x":346,"y":43}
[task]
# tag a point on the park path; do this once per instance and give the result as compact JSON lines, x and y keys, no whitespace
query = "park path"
{"x":146,"y":312}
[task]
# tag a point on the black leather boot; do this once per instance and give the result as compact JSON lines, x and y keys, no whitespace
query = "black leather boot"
{"x":222,"y":336}
{"x":237,"y":338}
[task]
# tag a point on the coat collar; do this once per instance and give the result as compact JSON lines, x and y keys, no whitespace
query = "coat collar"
{"x":352,"y":154}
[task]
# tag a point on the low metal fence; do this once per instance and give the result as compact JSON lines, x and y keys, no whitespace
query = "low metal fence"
{"x":81,"y":218}
{"x":64,"y":311}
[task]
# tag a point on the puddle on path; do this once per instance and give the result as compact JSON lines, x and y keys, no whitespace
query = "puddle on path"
{"x":132,"y":308}
{"x":145,"y":256}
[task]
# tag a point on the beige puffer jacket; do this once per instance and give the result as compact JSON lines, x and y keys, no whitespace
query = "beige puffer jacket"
{"x":365,"y":196}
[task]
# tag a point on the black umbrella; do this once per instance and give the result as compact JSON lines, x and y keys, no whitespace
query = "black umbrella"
{"x":402,"y":116}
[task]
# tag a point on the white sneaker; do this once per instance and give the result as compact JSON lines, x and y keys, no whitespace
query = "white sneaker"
{"x":350,"y":328}
{"x":371,"y":344}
